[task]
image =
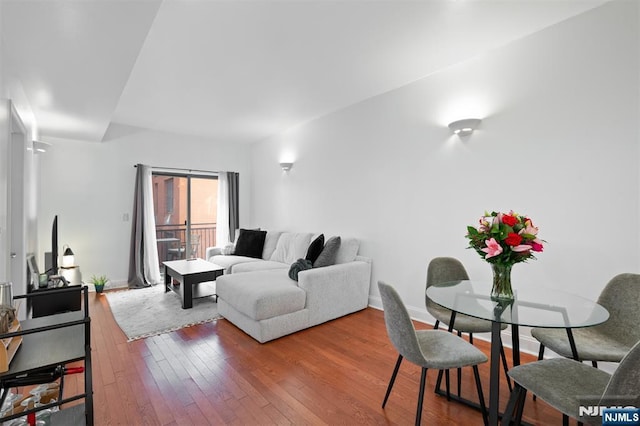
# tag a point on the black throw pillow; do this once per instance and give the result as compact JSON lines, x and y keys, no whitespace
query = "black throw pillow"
{"x":250,"y":243}
{"x":315,"y":248}
{"x":329,"y":253}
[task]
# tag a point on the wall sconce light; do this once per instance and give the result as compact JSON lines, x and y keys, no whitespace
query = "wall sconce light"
{"x":286,"y":166}
{"x":40,"y":147}
{"x":68,"y":259}
{"x":464,"y":127}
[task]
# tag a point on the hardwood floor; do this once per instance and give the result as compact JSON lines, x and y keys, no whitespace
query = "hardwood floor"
{"x":213,"y":373}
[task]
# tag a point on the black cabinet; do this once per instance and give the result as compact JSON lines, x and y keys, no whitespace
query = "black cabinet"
{"x":48,"y":344}
{"x":57,"y":300}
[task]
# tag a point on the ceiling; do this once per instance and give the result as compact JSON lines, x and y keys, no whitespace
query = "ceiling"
{"x":239,"y":71}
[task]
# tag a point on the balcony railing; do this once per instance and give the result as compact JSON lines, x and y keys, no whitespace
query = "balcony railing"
{"x":172,"y":240}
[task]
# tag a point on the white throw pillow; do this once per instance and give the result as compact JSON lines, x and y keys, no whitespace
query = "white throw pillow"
{"x":228,"y":249}
{"x":291,"y":247}
{"x":348,"y":250}
{"x":270,"y":243}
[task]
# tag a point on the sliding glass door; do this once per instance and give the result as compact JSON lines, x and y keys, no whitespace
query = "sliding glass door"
{"x":185,"y":209}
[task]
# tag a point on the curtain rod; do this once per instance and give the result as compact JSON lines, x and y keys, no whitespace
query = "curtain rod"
{"x":180,"y":170}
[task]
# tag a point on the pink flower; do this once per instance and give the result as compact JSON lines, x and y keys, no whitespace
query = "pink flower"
{"x":529,"y":228}
{"x":493,"y":248}
{"x":521,"y":248}
{"x":484,"y":225}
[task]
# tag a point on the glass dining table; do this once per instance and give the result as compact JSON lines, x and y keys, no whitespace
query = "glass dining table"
{"x":531,"y":307}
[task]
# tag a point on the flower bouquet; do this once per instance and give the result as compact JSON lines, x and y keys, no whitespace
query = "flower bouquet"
{"x":504,"y":239}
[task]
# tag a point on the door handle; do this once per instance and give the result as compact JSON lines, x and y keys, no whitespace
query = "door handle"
{"x":14,"y":255}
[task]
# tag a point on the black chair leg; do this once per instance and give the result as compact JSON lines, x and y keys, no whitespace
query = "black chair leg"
{"x":595,"y":364}
{"x":439,"y":381}
{"x":446,"y":381}
{"x":505,"y":366}
{"x":509,"y":411}
{"x":523,"y":399}
{"x":483,"y":407}
{"x":471,"y":338}
{"x":393,"y":379}
{"x":541,"y":352}
{"x":515,"y":406}
{"x":435,"y":327}
{"x":423,"y":382}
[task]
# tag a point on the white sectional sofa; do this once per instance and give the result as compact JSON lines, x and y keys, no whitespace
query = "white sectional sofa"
{"x":258,"y":296}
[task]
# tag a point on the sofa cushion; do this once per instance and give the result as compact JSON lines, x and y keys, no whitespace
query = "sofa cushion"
{"x":291,"y":247}
{"x":329,"y":253}
{"x":260,"y":265}
{"x":228,"y":262}
{"x":348,"y":250}
{"x":315,"y":248}
{"x":270,"y":242}
{"x":250,"y":243}
{"x":261,"y":295}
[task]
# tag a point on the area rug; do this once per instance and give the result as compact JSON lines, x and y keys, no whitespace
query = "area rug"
{"x":150,"y":311}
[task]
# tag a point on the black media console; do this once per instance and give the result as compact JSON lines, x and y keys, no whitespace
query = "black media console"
{"x":66,"y":301}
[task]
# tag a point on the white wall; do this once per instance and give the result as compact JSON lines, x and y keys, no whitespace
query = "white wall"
{"x":559,"y":142}
{"x":90,"y":187}
{"x":2,"y":62}
{"x":11,"y":89}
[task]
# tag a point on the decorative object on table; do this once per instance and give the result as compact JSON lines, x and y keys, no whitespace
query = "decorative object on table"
{"x":6,"y":294}
{"x":68,"y":269}
{"x":68,"y":258}
{"x":7,"y":317}
{"x":99,"y":282}
{"x":504,"y":239}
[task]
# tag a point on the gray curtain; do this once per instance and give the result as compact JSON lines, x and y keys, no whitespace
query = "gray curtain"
{"x":234,"y":216}
{"x":143,"y":258}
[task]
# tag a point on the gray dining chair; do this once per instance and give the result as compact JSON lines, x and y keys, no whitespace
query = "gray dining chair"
{"x":609,"y":341}
{"x":565,"y":384}
{"x":445,"y":269}
{"x":426,"y":348}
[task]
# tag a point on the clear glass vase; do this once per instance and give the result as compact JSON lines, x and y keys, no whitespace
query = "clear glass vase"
{"x":501,"y":290}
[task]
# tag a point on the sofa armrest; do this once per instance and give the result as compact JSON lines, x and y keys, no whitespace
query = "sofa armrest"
{"x":212,"y":251}
{"x":336,"y":290}
{"x":215,"y":251}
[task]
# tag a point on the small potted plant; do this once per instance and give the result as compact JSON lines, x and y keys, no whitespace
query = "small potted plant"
{"x":99,"y":281}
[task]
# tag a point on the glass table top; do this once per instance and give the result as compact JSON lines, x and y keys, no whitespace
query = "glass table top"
{"x":532,"y":307}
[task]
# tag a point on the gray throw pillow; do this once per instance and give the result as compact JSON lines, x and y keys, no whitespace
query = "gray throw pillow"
{"x":329,"y":253}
